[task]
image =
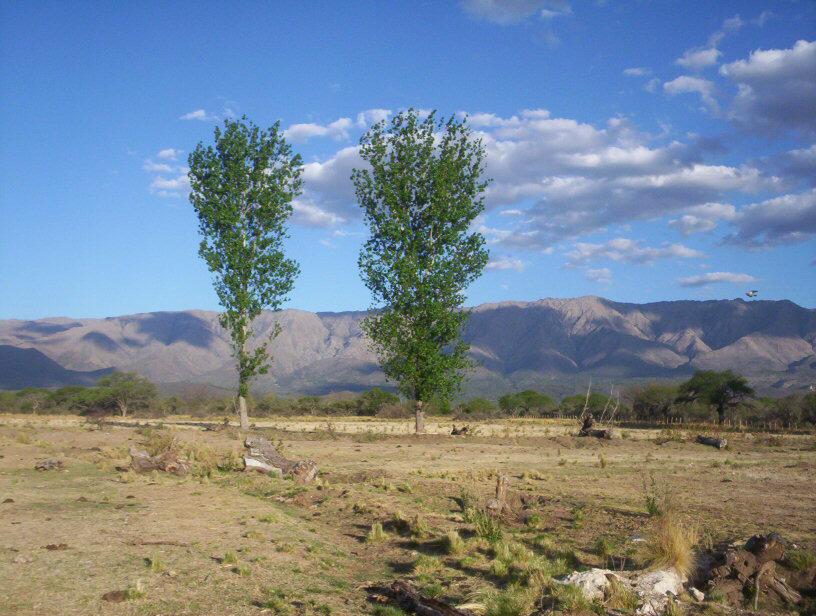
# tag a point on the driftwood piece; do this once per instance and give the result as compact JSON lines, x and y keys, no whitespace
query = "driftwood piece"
{"x":714,"y":441}
{"x":263,"y":457}
{"x":168,"y":462}
{"x":785,"y":592}
{"x":407,"y":598}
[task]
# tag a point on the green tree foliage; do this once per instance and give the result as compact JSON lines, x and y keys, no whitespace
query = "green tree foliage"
{"x":478,"y":406}
{"x":421,"y":192}
{"x":527,"y":402}
{"x":654,"y":401}
{"x":371,"y":402}
{"x":597,"y":403}
{"x":124,"y":390}
{"x":242,"y":189}
{"x":719,"y":390}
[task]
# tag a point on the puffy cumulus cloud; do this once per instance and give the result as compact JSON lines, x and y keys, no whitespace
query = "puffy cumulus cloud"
{"x":310,"y":215}
{"x":710,"y":278}
{"x":174,"y":187}
{"x":785,"y":219}
{"x":372,"y":116}
{"x":799,"y":164}
{"x":601,"y":275}
{"x":693,"y":85}
{"x":505,"y":263}
{"x":506,"y":12}
{"x":697,"y":59}
{"x":328,"y":182}
{"x":627,"y":251}
{"x":169,"y":177}
{"x":337,"y":130}
{"x":169,"y":154}
{"x":776,"y":88}
{"x":702,"y":218}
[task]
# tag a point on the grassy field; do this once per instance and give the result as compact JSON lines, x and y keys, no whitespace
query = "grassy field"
{"x":223,"y":542}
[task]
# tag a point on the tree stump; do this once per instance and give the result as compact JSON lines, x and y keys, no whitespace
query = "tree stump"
{"x":263,"y":457}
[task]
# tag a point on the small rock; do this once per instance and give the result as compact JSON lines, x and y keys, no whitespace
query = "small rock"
{"x":698,"y":595}
{"x":592,"y":583}
{"x":21,"y":559}
{"x":8,"y":500}
{"x":82,"y":499}
{"x":56,"y":546}
{"x":50,"y":464}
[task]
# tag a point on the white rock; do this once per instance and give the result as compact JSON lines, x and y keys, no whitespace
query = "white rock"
{"x":698,"y":595}
{"x":592,"y":583}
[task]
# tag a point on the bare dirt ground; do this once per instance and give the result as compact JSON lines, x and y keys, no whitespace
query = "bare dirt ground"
{"x":224,"y":542}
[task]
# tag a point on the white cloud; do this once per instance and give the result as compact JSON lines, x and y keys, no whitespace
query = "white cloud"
{"x":511,"y":212}
{"x":602,"y":275}
{"x":637,"y":71}
{"x":177,"y":186}
{"x":776,"y":88}
{"x":505,"y":263}
{"x":169,"y":154}
{"x":372,"y":116}
{"x":311,"y":215}
{"x":689,"y":85}
{"x":787,"y":219}
{"x":337,"y":130}
{"x":506,"y":12}
{"x":628,"y":251}
{"x":703,"y":280}
{"x":697,"y":59}
{"x":703,"y":218}
{"x":199,"y":114}
{"x":153,"y":167}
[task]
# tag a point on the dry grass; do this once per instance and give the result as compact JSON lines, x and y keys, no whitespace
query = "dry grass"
{"x":671,"y":543}
{"x":308,"y":543}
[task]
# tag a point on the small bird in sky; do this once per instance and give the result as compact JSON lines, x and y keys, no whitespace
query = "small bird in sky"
{"x":752,"y":293}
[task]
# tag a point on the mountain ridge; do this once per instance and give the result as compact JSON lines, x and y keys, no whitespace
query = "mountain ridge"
{"x":514,"y":343}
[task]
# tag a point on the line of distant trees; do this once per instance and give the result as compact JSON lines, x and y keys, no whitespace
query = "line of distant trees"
{"x":706,"y":396}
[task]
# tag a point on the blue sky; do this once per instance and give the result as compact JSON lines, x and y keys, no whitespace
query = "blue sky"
{"x":641,"y":151}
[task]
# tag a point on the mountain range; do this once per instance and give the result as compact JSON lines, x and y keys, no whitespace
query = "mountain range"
{"x":550,"y":344}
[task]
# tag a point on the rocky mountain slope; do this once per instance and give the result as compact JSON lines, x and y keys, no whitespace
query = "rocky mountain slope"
{"x":516,"y":344}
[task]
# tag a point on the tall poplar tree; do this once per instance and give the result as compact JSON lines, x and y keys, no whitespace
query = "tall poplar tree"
{"x":421,"y":192}
{"x":242,"y":189}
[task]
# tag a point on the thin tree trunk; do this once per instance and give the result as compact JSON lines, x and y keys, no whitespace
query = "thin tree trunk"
{"x":242,"y":413}
{"x":420,"y":418}
{"x":122,"y":408}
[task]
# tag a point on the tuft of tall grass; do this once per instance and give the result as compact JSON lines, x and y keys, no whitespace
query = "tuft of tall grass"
{"x":670,"y":543}
{"x":376,"y":534}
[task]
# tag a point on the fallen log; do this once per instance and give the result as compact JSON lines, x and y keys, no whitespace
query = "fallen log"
{"x":713,"y":441}
{"x":168,"y":462}
{"x":263,"y":457}
{"x":407,"y":598}
{"x":463,"y":431}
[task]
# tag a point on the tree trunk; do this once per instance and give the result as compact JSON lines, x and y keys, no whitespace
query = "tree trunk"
{"x":242,"y":412}
{"x":721,"y":415}
{"x":420,"y":418}
{"x":122,"y":408}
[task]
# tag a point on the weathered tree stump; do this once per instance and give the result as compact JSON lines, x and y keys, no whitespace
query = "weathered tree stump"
{"x":168,"y":462}
{"x":713,"y":441}
{"x":263,"y":457}
{"x":499,"y":502}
